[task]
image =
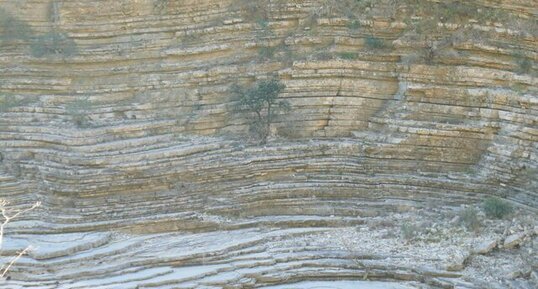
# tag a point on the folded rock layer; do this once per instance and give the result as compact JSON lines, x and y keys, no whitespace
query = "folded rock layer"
{"x":120,"y":118}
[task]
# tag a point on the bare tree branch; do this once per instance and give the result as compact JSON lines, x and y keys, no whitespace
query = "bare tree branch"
{"x":7,"y":218}
{"x":20,"y":254}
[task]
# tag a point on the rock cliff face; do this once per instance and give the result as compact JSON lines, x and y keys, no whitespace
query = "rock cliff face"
{"x":119,"y":117}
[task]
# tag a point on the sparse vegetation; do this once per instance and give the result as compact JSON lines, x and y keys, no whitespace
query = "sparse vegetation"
{"x":255,"y":11}
{"x":408,"y":231}
{"x":354,"y":25}
{"x":523,"y":64}
{"x":160,"y":6}
{"x":426,"y":24}
{"x":265,"y":36}
{"x":456,"y":11}
{"x":53,"y":44}
{"x":497,"y":208}
{"x":8,"y":102}
{"x":78,"y":111}
{"x":11,"y":28}
{"x":469,"y":219}
{"x":266,"y":52}
{"x":349,"y":8}
{"x":347,"y":55}
{"x":374,"y":42}
{"x":261,"y":105}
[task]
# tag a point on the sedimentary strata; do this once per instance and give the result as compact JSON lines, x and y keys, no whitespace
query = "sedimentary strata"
{"x":118,"y":116}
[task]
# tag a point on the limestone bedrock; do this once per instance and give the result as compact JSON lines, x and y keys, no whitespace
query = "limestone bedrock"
{"x":120,"y":118}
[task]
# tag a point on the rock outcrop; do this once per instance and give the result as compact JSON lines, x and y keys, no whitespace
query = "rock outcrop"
{"x":118,"y":116}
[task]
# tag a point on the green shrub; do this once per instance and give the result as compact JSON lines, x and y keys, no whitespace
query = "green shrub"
{"x":365,"y":3}
{"x":11,"y":28}
{"x":524,"y":65}
{"x":347,"y":55}
{"x":266,"y":53}
{"x":79,"y":110}
{"x":408,"y":231}
{"x":469,"y":219}
{"x":354,"y":25}
{"x":374,"y":42}
{"x":263,"y":23}
{"x":322,"y":55}
{"x":10,"y":101}
{"x":496,"y":208}
{"x":53,"y":43}
{"x":160,"y":6}
{"x":457,"y":11}
{"x":254,"y":11}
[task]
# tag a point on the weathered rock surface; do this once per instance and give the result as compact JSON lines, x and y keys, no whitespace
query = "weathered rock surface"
{"x":514,"y":240}
{"x":485,"y":247}
{"x":118,"y":116}
{"x":456,"y":261}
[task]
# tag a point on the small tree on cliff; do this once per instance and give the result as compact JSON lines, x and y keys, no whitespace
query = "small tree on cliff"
{"x":261,"y":105}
